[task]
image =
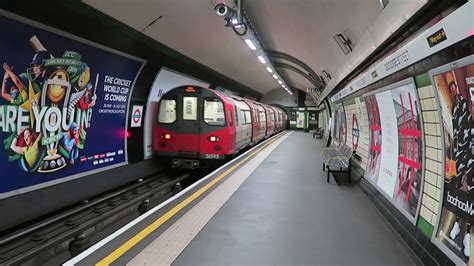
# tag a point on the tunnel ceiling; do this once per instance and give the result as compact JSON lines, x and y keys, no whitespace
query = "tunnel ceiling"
{"x":303,"y":29}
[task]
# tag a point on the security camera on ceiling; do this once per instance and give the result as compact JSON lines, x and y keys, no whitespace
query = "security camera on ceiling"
{"x":221,"y":9}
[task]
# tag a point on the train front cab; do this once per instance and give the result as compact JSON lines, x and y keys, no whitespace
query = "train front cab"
{"x":194,"y":125}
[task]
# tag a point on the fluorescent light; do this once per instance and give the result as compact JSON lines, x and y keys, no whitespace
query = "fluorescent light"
{"x":275,"y":76}
{"x":283,"y":85}
{"x":250,"y":44}
{"x":269,"y":69}
{"x":279,"y":81}
{"x":262,"y":60}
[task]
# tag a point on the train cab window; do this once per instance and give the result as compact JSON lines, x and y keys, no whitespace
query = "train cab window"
{"x":189,"y":108}
{"x":167,"y":112}
{"x":214,"y":114}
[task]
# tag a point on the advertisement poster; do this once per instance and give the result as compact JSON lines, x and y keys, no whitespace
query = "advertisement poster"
{"x":410,"y":149}
{"x":64,"y":106}
{"x":396,"y":145}
{"x":300,"y":119}
{"x":375,"y":138}
{"x":456,"y":97}
{"x":340,"y":124}
{"x":389,"y":155}
{"x":357,"y":128}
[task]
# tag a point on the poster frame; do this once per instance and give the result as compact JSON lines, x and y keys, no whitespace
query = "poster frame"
{"x":395,"y":85}
{"x":51,"y":29}
{"x":431,"y":73}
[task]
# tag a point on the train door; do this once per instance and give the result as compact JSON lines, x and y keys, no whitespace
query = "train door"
{"x":189,"y":105}
{"x":238,"y":123}
{"x":263,"y":121}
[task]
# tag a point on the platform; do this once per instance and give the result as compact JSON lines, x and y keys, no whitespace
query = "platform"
{"x":272,"y":206}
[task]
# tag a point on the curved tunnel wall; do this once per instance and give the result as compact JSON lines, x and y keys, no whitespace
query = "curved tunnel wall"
{"x":429,"y":229}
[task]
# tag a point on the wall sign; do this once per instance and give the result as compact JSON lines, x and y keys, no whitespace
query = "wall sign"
{"x":436,"y":38}
{"x":137,"y":114}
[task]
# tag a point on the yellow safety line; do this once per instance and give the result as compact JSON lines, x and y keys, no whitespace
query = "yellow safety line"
{"x":157,"y":223}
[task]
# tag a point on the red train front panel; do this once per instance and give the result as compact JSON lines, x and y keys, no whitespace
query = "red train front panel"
{"x":193,"y":124}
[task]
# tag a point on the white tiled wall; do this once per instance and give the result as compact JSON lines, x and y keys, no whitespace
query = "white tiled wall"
{"x":433,"y":155}
{"x":363,"y":148}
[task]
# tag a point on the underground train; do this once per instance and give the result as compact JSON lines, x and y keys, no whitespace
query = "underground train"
{"x":196,"y":126}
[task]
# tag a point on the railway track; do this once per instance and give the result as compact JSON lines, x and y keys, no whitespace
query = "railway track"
{"x":75,"y":229}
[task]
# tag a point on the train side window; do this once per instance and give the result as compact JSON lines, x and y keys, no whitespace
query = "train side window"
{"x":236,"y":116}
{"x":189,"y":108}
{"x":214,"y":114}
{"x":231,"y":121}
{"x":248,"y":117}
{"x":167,"y":111}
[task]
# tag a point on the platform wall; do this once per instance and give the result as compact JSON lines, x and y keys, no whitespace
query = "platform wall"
{"x":421,"y":235}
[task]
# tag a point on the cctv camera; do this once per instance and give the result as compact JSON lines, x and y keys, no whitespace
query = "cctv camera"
{"x":221,"y":9}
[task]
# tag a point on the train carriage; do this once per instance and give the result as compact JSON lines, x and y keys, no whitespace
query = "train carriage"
{"x":197,"y":125}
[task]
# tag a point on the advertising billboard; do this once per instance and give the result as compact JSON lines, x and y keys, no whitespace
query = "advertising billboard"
{"x":375,"y":139}
{"x":455,"y":89}
{"x":339,"y":124}
{"x":396,"y":147}
{"x":63,"y":106}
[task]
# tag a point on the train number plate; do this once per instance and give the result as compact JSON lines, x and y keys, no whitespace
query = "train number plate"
{"x":212,"y":156}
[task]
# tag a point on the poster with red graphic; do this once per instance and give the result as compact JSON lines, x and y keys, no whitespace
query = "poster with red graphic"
{"x":375,"y":139}
{"x":455,"y":87}
{"x":395,"y":151}
{"x":407,"y":193}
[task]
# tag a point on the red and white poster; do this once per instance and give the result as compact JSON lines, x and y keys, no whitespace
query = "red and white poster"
{"x":407,"y":193}
{"x":388,"y":165}
{"x":375,"y":139}
{"x":395,"y":151}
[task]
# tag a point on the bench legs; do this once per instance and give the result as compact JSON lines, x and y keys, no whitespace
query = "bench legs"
{"x":348,"y":171}
{"x":329,"y":172}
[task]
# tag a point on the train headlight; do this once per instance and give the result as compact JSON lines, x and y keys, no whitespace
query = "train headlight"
{"x":213,"y":138}
{"x":166,"y":136}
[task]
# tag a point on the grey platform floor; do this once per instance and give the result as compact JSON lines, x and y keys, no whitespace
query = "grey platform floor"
{"x":286,"y":214}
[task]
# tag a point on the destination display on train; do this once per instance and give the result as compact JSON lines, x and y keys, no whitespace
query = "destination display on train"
{"x":63,"y":106}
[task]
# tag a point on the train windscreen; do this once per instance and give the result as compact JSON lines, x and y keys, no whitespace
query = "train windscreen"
{"x":167,"y":112}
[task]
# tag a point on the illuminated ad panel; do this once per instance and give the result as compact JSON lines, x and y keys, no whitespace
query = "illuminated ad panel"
{"x":339,"y":124}
{"x":455,"y":87}
{"x":64,"y":106}
{"x":395,"y":151}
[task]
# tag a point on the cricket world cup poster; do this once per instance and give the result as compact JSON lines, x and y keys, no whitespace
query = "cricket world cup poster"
{"x":63,"y":106}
